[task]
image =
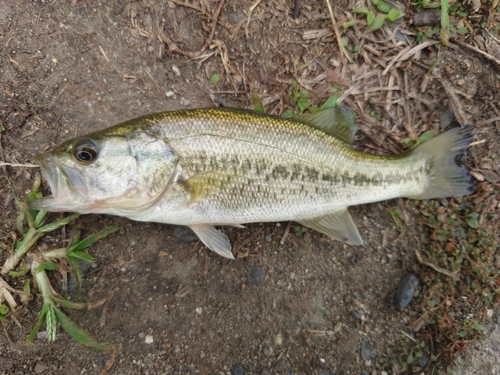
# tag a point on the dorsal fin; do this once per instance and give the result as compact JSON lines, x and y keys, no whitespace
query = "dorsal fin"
{"x":336,"y":121}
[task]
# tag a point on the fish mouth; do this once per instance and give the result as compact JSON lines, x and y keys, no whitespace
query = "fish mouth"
{"x":66,"y":184}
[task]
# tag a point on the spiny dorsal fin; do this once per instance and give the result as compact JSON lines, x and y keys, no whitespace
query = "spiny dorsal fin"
{"x":338,"y":225}
{"x":338,"y":122}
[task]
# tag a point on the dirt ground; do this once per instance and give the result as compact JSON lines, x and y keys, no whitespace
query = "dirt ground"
{"x":68,"y":68}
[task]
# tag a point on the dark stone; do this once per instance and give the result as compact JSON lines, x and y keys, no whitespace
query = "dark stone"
{"x":447,"y":117}
{"x":233,"y":17}
{"x":467,"y":280}
{"x":256,"y":275}
{"x":355,"y":315}
{"x":421,"y":361}
{"x":72,"y":283}
{"x":405,"y":291}
{"x":265,"y":372}
{"x":238,"y":369}
{"x":185,"y":234}
{"x":366,"y":350}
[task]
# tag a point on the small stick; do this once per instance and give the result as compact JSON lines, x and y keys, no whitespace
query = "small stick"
{"x":19,"y":165}
{"x":111,"y":360}
{"x":436,"y":268}
{"x":337,"y":34}
{"x":287,"y":230}
{"x":296,"y":11}
{"x":192,"y":55}
{"x":255,"y":5}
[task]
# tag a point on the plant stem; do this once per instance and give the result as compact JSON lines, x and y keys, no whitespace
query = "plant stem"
{"x":21,"y":249}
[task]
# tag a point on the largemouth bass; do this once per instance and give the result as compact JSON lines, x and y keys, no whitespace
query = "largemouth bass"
{"x":207,"y":167}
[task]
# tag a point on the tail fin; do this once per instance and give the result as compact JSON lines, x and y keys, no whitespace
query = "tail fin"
{"x":449,"y":177}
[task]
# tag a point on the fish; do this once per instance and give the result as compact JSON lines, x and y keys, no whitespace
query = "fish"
{"x":211,"y":167}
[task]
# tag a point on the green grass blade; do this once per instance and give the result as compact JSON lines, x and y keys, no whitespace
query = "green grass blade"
{"x":57,"y":224}
{"x":19,"y":273}
{"x":90,"y":240}
{"x":81,"y":255}
{"x":445,"y":22}
{"x":77,"y":333}
{"x":71,"y":305}
{"x":378,"y":22}
{"x":49,"y":266}
{"x":38,"y":324}
{"x":330,"y":102}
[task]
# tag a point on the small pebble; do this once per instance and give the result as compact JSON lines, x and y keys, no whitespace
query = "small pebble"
{"x":278,"y":340}
{"x":256,"y":275}
{"x":355,"y":315}
{"x":265,"y":372}
{"x":148,"y":339}
{"x":169,"y":93}
{"x":406,"y":290}
{"x":42,"y":335}
{"x":184,"y":234}
{"x":366,"y":350}
{"x":233,"y":17}
{"x":420,"y":361}
{"x":185,"y":102}
{"x":446,"y":118}
{"x":399,"y":37}
{"x":198,"y":310}
{"x":322,"y":371}
{"x":238,"y":369}
{"x":176,"y":71}
{"x":40,"y":367}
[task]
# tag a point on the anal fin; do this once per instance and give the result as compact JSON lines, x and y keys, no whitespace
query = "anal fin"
{"x":215,"y":240}
{"x":338,"y":225}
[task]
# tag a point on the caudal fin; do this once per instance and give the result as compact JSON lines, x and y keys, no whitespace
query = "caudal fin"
{"x":449,"y":177}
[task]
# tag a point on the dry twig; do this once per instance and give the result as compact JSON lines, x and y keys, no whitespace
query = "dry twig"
{"x":255,"y":5}
{"x":453,"y":275}
{"x":337,"y":33}
{"x":455,"y":103}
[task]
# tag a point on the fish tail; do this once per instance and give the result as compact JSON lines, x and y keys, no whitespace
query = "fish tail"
{"x":444,"y":154}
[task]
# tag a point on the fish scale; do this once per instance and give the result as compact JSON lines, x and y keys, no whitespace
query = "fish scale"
{"x":227,"y":166}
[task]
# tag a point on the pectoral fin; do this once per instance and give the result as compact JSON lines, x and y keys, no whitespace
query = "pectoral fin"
{"x":213,"y":239}
{"x":338,"y":225}
{"x":206,"y":184}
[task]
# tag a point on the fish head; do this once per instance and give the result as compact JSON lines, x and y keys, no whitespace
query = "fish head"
{"x":116,"y":171}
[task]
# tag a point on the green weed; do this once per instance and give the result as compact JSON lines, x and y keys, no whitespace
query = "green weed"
{"x":464,"y":242}
{"x":377,"y":20}
{"x":214,"y":79}
{"x":41,"y":263}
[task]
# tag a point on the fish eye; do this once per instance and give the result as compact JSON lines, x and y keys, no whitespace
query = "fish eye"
{"x":85,"y":151}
